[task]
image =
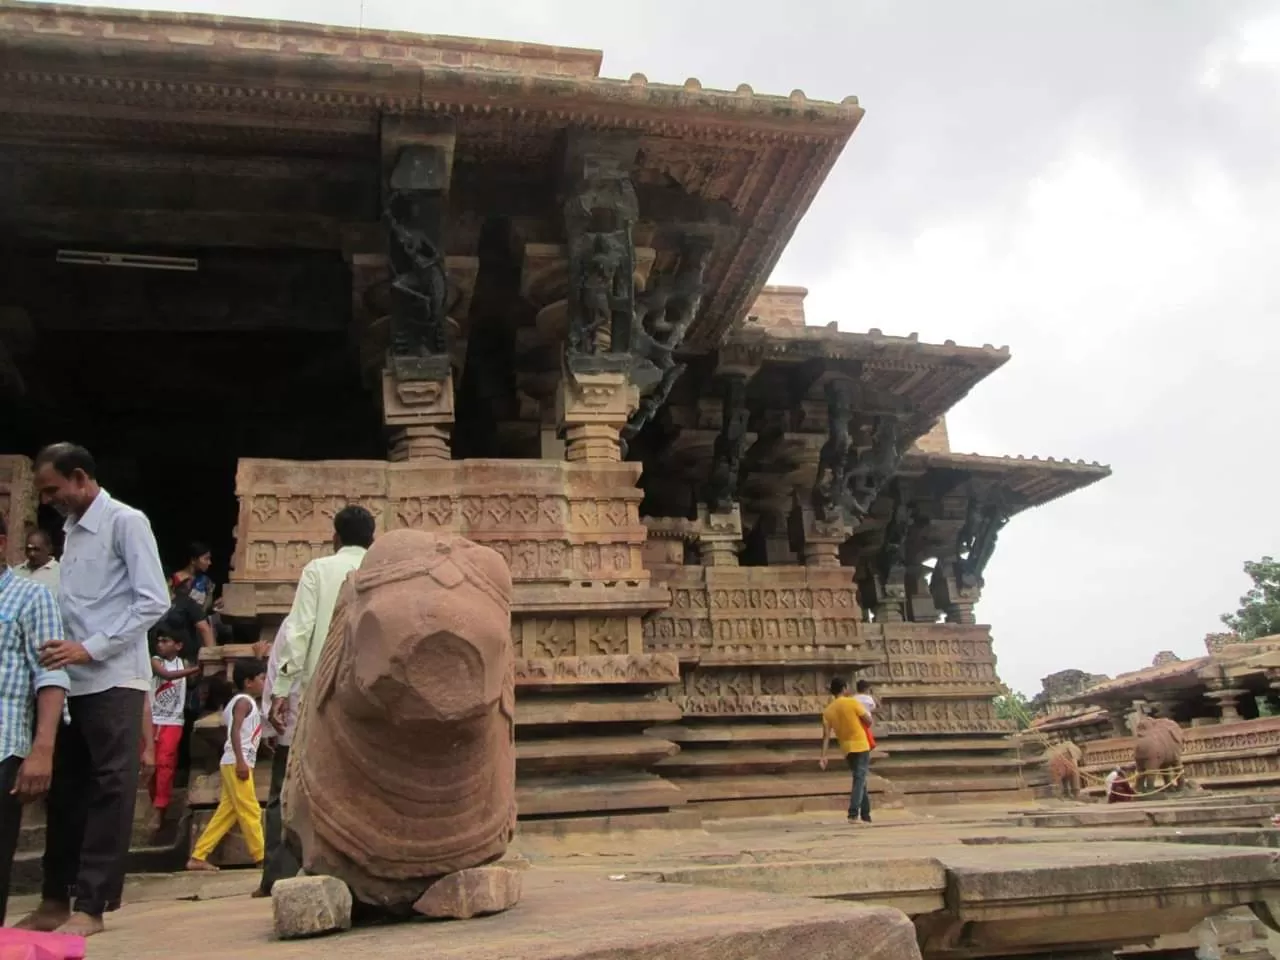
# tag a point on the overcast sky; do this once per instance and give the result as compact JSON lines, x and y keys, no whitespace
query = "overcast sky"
{"x":1093,"y":183}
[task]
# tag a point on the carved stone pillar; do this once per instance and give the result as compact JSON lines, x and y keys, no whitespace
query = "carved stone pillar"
{"x":719,"y":536}
{"x":731,"y":444}
{"x":420,"y":416}
{"x":920,"y":605}
{"x":1228,"y":703}
{"x":955,"y":592}
{"x":592,"y":408}
{"x":418,"y":402}
{"x":817,"y":540}
{"x":890,"y":597}
{"x":1119,"y":719}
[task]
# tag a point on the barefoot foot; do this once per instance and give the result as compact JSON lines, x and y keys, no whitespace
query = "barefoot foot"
{"x":82,"y":925}
{"x":201,"y":866}
{"x":49,"y":916}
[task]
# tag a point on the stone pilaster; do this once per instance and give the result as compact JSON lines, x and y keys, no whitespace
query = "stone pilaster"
{"x":891,"y":597}
{"x":954,"y":592}
{"x":719,"y":536}
{"x":817,"y":540}
{"x":1228,"y":703}
{"x":418,"y":388}
{"x":592,"y":407}
{"x":1119,"y":719}
{"x":419,"y":416}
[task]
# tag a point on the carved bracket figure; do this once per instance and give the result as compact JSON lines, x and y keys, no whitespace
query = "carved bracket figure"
{"x":599,"y":213}
{"x":730,"y":445}
{"x":976,"y":541}
{"x":830,"y":497}
{"x":663,"y":316}
{"x":876,"y":466}
{"x":958,"y":579}
{"x":414,"y":215}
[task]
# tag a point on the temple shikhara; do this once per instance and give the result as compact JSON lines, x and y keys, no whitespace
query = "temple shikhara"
{"x":264,"y":271}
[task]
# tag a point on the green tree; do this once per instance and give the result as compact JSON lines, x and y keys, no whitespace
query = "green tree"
{"x":1012,"y":705}
{"x":1259,"y":613}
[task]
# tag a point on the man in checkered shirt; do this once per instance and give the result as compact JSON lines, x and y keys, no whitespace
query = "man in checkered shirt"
{"x":30,"y":696}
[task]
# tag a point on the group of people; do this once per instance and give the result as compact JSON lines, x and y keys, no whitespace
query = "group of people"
{"x":96,"y":651}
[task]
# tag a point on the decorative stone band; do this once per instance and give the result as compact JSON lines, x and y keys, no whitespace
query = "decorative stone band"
{"x":659,"y":668}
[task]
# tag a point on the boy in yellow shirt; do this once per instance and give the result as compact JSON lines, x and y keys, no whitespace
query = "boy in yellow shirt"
{"x":849,"y":721}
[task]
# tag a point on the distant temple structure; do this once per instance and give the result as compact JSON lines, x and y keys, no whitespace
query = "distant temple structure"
{"x":1229,"y":699}
{"x":265,"y":270}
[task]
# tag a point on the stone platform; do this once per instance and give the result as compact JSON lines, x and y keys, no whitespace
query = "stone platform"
{"x":1045,"y":880}
{"x":564,"y":914}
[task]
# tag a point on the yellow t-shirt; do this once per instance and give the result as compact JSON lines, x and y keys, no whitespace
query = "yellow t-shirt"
{"x":845,"y":716}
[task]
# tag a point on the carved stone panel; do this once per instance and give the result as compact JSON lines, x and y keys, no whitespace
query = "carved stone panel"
{"x":776,"y":612}
{"x":555,"y":523}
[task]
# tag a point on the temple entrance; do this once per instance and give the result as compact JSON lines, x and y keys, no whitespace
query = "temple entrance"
{"x":169,"y":375}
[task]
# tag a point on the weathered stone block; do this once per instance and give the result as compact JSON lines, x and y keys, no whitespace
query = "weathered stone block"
{"x":310,"y":907}
{"x":471,"y":893}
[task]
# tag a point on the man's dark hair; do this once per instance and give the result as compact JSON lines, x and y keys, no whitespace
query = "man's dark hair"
{"x":197,"y":550}
{"x":838,"y":686}
{"x":862,"y":686}
{"x":67,"y":458}
{"x":246,"y":670}
{"x":354,"y":526}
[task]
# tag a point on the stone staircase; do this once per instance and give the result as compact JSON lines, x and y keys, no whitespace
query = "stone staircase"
{"x":147,"y":854}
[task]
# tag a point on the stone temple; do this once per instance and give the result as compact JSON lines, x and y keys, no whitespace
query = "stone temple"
{"x":266,"y":270}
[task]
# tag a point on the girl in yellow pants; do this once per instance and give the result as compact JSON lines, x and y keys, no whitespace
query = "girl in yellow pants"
{"x":238,"y":802}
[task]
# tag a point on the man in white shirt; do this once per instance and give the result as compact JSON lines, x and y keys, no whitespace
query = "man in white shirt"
{"x":279,"y":863}
{"x":40,"y":565}
{"x":312,"y":610}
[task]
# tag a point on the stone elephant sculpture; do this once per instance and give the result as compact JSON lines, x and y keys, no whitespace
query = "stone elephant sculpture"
{"x":1157,"y":752}
{"x":1064,"y":768}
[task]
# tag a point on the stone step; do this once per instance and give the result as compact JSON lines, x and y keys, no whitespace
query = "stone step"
{"x":806,"y":732}
{"x":580,"y":754}
{"x":781,"y":758}
{"x":605,"y":793}
{"x":549,"y":711}
{"x":833,"y":783}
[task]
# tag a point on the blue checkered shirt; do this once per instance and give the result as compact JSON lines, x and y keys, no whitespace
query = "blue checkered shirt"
{"x":29,"y":619}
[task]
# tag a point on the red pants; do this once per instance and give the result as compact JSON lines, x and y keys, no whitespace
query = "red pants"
{"x":167,"y":740}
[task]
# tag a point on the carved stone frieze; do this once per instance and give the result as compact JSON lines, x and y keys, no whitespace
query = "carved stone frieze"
{"x":554,"y":522}
{"x":771,"y":607}
{"x":627,"y":668}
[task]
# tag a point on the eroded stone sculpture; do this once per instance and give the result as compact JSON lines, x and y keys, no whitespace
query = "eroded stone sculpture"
{"x":403,"y":764}
{"x":1064,"y":769}
{"x":1157,"y":752}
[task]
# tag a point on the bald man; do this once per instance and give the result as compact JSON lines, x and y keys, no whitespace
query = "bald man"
{"x":40,"y":565}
